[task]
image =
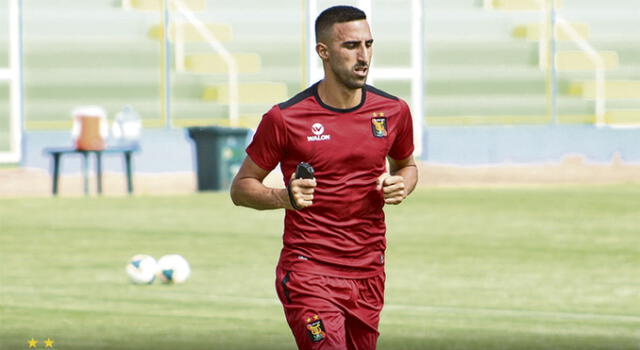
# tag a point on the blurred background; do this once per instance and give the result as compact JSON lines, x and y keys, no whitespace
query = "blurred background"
{"x":478,"y":81}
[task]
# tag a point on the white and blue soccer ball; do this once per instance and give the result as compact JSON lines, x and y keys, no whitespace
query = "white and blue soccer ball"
{"x":173,"y":268}
{"x":142,"y":269}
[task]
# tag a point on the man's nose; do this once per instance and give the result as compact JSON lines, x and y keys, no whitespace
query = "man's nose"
{"x":363,"y":54}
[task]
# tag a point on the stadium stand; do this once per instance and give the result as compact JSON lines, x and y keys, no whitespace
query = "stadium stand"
{"x":493,"y":72}
{"x":481,"y":66}
{"x":102,"y":54}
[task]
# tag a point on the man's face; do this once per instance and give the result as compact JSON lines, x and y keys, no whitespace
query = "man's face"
{"x":349,"y":52}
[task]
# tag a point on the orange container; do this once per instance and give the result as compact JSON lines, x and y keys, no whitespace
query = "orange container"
{"x":90,"y":128}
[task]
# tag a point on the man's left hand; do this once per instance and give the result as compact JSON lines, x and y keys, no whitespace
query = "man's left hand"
{"x":392,"y":187}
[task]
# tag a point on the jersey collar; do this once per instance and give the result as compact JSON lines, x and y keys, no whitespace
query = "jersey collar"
{"x":314,"y":88}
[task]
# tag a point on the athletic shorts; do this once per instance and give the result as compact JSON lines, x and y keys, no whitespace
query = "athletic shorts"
{"x":326,"y":312}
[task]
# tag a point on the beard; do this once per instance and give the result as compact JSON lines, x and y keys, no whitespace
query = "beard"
{"x":347,"y":78}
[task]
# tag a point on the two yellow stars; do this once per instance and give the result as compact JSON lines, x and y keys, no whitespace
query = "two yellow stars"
{"x":34,"y":343}
{"x":315,"y":317}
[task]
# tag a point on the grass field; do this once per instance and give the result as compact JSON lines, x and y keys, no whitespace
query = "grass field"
{"x":517,"y":268}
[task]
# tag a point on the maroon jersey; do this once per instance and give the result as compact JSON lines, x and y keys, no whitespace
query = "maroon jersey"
{"x":343,"y":232}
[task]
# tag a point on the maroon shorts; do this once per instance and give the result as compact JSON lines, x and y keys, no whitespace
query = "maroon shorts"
{"x":326,"y":312}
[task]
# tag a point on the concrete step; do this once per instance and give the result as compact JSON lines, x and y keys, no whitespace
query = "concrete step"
{"x":624,"y":72}
{"x":156,"y":5}
{"x":98,"y":55}
{"x":614,"y":90}
{"x":56,"y":113}
{"x":472,"y":87}
{"x":525,"y":119}
{"x":579,"y":60}
{"x":116,"y":78}
{"x":518,"y":5}
{"x":615,"y":118}
{"x":628,"y":51}
{"x":471,"y":52}
{"x":249,"y":93}
{"x":508,"y":74}
{"x":214,"y":64}
{"x":97,"y":90}
{"x":496,"y":104}
{"x":244,"y":121}
{"x":623,"y":117}
{"x":532,"y":31}
{"x":222,"y":32}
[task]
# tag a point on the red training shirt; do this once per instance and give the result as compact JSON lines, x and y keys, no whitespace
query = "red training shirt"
{"x":342,"y":233}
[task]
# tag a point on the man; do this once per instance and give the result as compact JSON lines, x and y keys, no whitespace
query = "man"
{"x":330,"y":277}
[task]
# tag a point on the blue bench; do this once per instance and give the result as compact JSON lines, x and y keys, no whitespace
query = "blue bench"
{"x":56,"y":154}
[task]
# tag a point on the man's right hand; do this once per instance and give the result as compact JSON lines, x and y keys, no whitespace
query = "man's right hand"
{"x":301,"y":192}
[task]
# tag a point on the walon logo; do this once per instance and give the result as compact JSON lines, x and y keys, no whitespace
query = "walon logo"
{"x":318,"y":130}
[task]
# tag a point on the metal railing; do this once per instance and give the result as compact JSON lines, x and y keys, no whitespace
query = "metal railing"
{"x":547,"y":53}
{"x":598,"y":63}
{"x":216,"y":45}
{"x":547,"y":56}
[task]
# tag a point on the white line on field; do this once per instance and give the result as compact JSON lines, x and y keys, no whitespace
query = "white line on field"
{"x":422,"y":309}
{"x":468,"y":310}
{"x":514,"y":313}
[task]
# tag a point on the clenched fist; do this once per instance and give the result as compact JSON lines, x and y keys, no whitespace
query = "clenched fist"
{"x":301,"y":192}
{"x":393,"y":188}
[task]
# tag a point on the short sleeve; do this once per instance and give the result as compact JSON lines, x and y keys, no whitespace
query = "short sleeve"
{"x":268,"y":144}
{"x":403,"y":143}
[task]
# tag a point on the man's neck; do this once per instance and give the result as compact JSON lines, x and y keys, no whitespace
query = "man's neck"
{"x":337,"y":95}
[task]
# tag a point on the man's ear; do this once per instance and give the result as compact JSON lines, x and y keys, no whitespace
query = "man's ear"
{"x":322,"y":50}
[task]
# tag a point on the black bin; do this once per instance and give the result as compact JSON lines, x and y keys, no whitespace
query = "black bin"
{"x":219,"y":154}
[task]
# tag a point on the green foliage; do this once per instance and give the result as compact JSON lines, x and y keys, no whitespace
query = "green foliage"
{"x":520,"y":268}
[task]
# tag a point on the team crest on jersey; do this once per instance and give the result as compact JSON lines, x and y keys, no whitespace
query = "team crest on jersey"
{"x":316,"y":328}
{"x":379,"y":125}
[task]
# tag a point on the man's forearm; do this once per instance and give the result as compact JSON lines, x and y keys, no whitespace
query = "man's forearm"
{"x":252,"y":193}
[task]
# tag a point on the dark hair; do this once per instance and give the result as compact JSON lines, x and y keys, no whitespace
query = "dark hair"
{"x":336,"y":14}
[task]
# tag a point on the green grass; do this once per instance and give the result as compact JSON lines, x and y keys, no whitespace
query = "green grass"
{"x":521,"y":268}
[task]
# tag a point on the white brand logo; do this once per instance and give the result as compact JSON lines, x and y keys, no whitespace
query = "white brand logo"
{"x":317,"y":129}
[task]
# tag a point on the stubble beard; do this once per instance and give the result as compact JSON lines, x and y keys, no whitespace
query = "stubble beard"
{"x":348,"y":79}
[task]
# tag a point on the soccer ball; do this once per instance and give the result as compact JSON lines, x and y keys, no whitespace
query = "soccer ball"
{"x":173,"y":268}
{"x":142,"y":269}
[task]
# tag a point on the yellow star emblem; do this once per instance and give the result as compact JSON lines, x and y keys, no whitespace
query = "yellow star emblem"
{"x":48,"y":343}
{"x":32,"y":343}
{"x":308,"y":320}
{"x":315,"y":317}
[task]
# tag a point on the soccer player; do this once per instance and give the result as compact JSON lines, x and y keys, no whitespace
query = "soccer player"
{"x":330,"y":276}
